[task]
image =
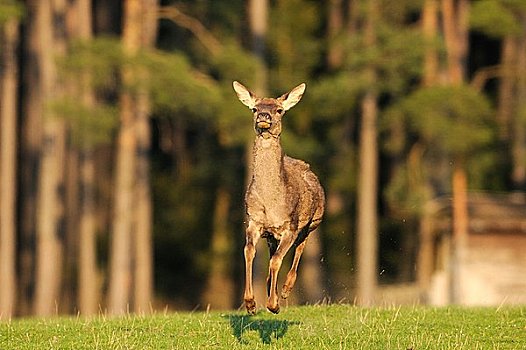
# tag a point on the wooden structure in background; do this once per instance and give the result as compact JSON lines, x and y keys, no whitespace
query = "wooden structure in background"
{"x":490,"y":268}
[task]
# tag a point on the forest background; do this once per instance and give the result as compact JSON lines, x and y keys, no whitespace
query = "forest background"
{"x":123,"y":149}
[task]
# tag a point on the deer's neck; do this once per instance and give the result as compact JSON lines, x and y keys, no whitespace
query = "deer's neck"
{"x":268,"y":166}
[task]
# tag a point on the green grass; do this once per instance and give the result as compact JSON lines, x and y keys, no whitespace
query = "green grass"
{"x":308,"y":327}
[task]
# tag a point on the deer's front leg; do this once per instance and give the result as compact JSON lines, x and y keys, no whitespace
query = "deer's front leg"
{"x":274,"y":266}
{"x":252,"y":237}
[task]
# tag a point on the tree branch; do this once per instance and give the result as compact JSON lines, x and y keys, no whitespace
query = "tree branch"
{"x":484,"y":74}
{"x":206,"y":38}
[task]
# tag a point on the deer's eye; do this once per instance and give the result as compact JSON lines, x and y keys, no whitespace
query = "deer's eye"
{"x":254,"y":110}
{"x":279,"y":110}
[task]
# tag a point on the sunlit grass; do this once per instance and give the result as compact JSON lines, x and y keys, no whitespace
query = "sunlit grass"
{"x":312,"y":327}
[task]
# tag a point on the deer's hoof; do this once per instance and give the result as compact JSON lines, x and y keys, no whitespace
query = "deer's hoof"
{"x":273,"y":309}
{"x":251,"y":306}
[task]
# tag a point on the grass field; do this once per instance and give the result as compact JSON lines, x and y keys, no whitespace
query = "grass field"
{"x":307,"y":327}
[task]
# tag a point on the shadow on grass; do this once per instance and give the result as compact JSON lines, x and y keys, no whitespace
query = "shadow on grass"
{"x":268,"y":329}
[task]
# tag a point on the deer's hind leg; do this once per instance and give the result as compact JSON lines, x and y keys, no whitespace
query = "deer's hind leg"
{"x":299,"y":246}
{"x":272,"y":243}
{"x":252,"y":237}
{"x":293,"y":272}
{"x":275,"y":264}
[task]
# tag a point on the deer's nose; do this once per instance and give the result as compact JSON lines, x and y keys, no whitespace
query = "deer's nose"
{"x":263,"y":116}
{"x":263,"y":120}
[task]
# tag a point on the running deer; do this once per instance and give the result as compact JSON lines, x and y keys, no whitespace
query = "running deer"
{"x":284,"y":201}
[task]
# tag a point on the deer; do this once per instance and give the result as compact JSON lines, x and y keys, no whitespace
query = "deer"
{"x":284,"y":200}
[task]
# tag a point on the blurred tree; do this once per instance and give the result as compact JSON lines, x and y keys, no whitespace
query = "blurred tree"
{"x":367,"y":207}
{"x":519,"y":125}
{"x":30,"y":140}
{"x":132,"y":195}
{"x":459,"y":130}
{"x":88,"y":68}
{"x":504,"y":19}
{"x":143,"y":259}
{"x":258,"y":20}
{"x":397,"y":66}
{"x":120,"y":274}
{"x":80,"y":24}
{"x":88,"y":276}
{"x":335,"y":16}
{"x":455,"y":23}
{"x":421,"y":186}
{"x":429,"y":23}
{"x":10,"y":13}
{"x":50,"y":199}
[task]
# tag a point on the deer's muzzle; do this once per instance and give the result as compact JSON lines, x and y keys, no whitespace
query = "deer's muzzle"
{"x":263,"y":121}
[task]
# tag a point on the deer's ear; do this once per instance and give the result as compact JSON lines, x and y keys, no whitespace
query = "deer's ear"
{"x":292,"y":97}
{"x":245,"y":96}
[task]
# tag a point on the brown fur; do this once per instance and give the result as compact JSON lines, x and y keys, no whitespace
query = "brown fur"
{"x":284,"y":201}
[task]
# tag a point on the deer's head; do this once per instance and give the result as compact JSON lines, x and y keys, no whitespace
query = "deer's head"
{"x":268,"y":111}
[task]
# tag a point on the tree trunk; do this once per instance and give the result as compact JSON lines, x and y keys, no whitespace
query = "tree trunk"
{"x":367,"y":220}
{"x":519,"y":121}
{"x":143,"y":269}
{"x":430,"y":32}
{"x":71,"y":228}
{"x":50,"y":201}
{"x":430,"y":78}
{"x":460,"y":214}
{"x":8,"y":165}
{"x":50,"y":210}
{"x":334,"y":32}
{"x":455,"y":16}
{"x":120,"y":257}
{"x":353,"y":16}
{"x":88,"y":283}
{"x":30,"y":143}
{"x":455,"y":22}
{"x":258,"y":19}
{"x":505,"y":105}
{"x":79,"y":24}
{"x":132,"y":192}
{"x":425,"y":250}
{"x":460,"y":230}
